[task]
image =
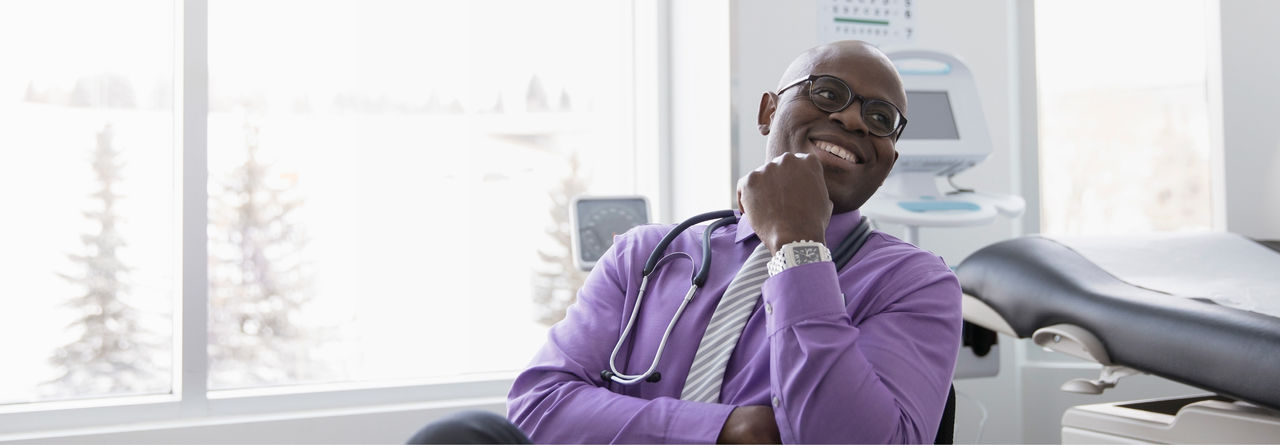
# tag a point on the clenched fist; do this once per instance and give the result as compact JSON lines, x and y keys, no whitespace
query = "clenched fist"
{"x":787,"y":200}
{"x":750,"y":424}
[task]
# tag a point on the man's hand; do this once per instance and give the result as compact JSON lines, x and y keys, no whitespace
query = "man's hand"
{"x":787,"y":200}
{"x":750,"y":424}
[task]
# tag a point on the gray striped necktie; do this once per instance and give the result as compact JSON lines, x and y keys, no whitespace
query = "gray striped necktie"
{"x":707,"y":372}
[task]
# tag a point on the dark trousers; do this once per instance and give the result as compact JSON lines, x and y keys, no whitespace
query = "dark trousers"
{"x":470,"y":427}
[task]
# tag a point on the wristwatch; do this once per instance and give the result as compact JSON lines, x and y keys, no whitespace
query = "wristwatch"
{"x":797,"y":253}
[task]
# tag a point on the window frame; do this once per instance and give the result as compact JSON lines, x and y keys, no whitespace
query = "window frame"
{"x":190,"y":400}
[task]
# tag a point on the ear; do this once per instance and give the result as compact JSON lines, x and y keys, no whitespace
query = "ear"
{"x":768,"y":104}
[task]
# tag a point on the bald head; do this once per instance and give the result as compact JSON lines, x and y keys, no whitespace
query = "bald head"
{"x":860,"y":58}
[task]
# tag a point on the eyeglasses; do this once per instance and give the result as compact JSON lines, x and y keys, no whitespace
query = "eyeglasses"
{"x":832,"y":95}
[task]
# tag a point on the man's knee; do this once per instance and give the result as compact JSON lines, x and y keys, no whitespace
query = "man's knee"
{"x":470,"y":427}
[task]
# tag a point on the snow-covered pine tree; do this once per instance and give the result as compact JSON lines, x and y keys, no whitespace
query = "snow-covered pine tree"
{"x":556,"y":283}
{"x":258,"y":282}
{"x":535,"y":96}
{"x":113,"y":354}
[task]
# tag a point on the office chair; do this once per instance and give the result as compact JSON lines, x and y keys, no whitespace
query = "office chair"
{"x":947,"y":429}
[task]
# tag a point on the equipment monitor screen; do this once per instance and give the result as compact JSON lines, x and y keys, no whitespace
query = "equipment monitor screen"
{"x":930,"y":116}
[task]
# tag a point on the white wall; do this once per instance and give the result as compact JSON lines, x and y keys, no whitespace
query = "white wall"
{"x":1250,"y":108}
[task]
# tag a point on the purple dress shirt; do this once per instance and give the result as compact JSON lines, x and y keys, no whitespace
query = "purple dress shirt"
{"x":874,"y":367}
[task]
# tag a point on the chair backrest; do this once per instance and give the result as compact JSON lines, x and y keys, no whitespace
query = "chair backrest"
{"x":947,"y":429}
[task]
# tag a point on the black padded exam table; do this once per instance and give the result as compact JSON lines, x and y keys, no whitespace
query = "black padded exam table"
{"x":1036,"y":282}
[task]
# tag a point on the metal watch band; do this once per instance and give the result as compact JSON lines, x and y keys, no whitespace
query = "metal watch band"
{"x":798,"y":253}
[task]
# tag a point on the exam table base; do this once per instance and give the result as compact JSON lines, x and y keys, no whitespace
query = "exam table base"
{"x":1203,"y":419}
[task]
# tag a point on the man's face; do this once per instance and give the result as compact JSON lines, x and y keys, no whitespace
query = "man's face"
{"x":796,"y":125}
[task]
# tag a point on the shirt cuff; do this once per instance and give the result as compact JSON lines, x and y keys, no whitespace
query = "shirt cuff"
{"x":801,"y":293}
{"x":697,"y":422}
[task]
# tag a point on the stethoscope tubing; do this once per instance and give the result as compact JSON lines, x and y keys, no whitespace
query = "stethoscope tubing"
{"x":699,"y":278}
{"x":845,"y":252}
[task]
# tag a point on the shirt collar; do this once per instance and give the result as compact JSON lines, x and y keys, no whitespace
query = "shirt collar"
{"x":841,"y":224}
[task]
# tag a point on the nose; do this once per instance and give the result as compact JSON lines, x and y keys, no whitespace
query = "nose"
{"x":850,"y":118}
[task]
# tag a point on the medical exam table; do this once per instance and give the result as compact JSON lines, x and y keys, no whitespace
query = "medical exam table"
{"x":1200,"y":309}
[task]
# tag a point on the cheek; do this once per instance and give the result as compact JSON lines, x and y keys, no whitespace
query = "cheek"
{"x":789,"y":125}
{"x":772,"y":146}
{"x":887,"y":152}
{"x":781,"y":140}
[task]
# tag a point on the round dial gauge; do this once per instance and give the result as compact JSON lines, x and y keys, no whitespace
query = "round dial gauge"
{"x":601,"y":225}
{"x":600,"y":219}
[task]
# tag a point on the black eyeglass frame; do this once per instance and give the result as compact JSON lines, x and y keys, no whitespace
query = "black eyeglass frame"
{"x":853,"y":97}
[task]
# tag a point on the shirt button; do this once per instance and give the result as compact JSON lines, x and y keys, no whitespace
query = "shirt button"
{"x":776,"y":402}
{"x":768,"y":308}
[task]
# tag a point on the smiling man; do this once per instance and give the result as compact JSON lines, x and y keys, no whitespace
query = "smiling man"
{"x":860,"y":355}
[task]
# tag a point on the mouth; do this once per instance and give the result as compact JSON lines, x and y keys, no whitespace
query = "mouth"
{"x":839,"y":152}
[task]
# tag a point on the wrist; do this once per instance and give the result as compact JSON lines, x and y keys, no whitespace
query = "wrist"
{"x":776,"y":242}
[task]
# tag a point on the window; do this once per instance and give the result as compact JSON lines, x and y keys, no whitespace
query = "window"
{"x":1124,"y":144}
{"x":383,"y":176}
{"x":388,"y":184}
{"x":87,"y":181}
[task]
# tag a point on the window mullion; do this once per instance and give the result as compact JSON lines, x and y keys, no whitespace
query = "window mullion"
{"x":193,"y":75}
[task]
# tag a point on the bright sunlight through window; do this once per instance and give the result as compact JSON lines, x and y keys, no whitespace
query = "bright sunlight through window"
{"x":388,"y":187}
{"x":1124,"y":133}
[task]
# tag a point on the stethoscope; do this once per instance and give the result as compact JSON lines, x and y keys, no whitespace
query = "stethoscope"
{"x":844,"y":252}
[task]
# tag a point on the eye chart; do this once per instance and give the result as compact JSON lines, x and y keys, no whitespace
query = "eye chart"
{"x":879,"y":22}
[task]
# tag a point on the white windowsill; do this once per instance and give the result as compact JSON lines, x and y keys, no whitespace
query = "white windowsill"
{"x":286,"y":407}
{"x":393,"y":423}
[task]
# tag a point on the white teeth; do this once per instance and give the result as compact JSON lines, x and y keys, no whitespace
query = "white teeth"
{"x":837,"y":150}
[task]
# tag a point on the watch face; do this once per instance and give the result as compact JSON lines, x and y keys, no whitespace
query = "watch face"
{"x":807,"y":254}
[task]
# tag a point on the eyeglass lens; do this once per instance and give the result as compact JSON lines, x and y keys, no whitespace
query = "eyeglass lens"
{"x":832,"y":95}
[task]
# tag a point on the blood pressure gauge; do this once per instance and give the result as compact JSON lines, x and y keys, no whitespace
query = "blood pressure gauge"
{"x":597,"y":219}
